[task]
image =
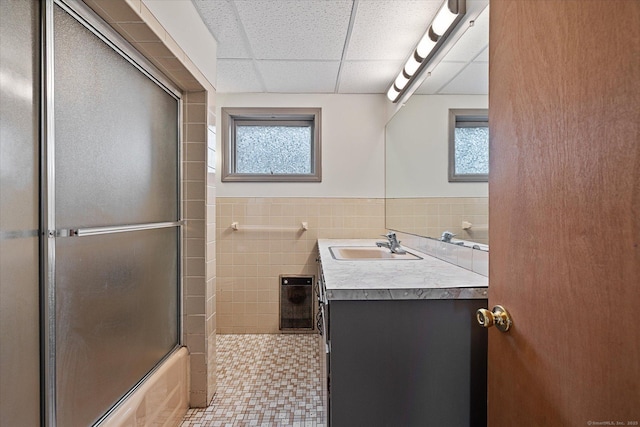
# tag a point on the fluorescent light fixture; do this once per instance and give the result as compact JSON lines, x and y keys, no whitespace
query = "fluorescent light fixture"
{"x":426,"y":45}
{"x":393,"y":93}
{"x":401,"y":80}
{"x":412,"y":65}
{"x":448,"y":16}
{"x":443,"y":20}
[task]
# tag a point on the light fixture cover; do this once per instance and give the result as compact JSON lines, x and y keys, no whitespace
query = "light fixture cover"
{"x":401,"y":81}
{"x":443,"y":20}
{"x":426,"y":45}
{"x":449,"y":14}
{"x":412,"y":65}
{"x":392,"y":93}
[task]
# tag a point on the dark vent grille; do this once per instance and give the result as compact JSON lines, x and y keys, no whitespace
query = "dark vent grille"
{"x":296,"y":303}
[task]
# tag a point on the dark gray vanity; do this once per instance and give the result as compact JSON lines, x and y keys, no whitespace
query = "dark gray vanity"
{"x":402,"y":344}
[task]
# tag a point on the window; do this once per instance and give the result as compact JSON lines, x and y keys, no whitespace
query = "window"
{"x":271,"y":144}
{"x":469,"y":145}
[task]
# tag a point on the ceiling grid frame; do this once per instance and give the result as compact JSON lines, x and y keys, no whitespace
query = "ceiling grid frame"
{"x":352,"y":18}
{"x":292,"y":45}
{"x":247,"y":44}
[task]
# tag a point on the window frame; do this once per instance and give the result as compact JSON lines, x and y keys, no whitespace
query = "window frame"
{"x":265,"y":116}
{"x":471,"y":117}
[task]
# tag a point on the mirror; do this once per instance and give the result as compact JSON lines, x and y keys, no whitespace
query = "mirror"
{"x":420,"y":199}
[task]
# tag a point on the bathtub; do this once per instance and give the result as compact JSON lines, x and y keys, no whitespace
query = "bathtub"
{"x":161,"y":400}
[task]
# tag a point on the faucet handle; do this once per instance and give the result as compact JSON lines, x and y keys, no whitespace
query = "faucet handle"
{"x":446,"y":236}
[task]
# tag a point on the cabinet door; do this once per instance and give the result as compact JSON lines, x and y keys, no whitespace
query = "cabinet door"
{"x":409,"y":363}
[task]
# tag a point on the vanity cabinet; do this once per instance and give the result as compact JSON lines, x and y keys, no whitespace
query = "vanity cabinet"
{"x":407,"y":363}
{"x":401,"y":344}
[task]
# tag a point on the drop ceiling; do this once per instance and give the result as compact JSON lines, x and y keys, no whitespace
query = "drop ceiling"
{"x":340,"y":46}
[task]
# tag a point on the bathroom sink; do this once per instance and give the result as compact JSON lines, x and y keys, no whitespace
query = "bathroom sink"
{"x":367,"y":253}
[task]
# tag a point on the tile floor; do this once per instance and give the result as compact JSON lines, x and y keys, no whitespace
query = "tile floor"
{"x":264,"y":380}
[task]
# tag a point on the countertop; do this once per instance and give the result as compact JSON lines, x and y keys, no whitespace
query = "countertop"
{"x":426,"y":278}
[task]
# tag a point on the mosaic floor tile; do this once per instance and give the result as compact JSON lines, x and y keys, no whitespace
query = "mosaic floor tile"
{"x":265,"y":381}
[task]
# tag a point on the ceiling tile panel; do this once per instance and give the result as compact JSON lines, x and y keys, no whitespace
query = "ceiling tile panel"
{"x":237,"y":75}
{"x":484,"y":56}
{"x":368,"y":76}
{"x":389,"y":29}
{"x":299,"y":76}
{"x":221,"y":19}
{"x":440,"y":77}
{"x":293,"y":29}
{"x":473,"y":80}
{"x":474,"y":40}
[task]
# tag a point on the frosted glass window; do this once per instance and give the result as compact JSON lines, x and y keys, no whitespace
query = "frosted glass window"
{"x":273,"y":149}
{"x":472,"y":150}
{"x":271,"y":145}
{"x":468,"y":145}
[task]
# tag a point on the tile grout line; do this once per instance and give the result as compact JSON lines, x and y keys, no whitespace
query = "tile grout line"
{"x":264,"y":380}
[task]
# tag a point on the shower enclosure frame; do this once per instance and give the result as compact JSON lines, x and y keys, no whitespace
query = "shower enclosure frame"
{"x":48,"y":229}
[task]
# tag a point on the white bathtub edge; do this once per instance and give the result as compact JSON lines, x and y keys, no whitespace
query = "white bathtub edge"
{"x":161,"y":400}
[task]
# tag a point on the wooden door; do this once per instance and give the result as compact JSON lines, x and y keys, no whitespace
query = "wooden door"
{"x":564,"y":97}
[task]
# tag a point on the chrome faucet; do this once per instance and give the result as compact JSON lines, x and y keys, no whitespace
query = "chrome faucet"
{"x":392,"y":244}
{"x":446,"y":236}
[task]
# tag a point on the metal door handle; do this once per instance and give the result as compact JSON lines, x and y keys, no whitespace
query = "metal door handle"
{"x":498,"y":316}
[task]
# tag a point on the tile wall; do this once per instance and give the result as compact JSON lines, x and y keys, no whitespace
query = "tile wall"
{"x":462,"y":256}
{"x":199,"y":249}
{"x":210,"y":260}
{"x":430,"y":216}
{"x":250,"y":260}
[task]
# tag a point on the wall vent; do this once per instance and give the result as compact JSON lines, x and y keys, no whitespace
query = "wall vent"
{"x":296,"y":303}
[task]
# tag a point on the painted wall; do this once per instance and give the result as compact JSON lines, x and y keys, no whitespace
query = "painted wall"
{"x":352,"y":146}
{"x":417,"y":148}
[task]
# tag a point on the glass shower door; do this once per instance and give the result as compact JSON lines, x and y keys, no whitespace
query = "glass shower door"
{"x":19,"y":214}
{"x":116,"y":214}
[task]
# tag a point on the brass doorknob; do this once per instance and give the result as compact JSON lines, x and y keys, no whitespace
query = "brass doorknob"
{"x":498,"y":316}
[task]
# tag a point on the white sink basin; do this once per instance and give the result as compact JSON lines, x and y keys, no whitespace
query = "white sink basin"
{"x":367,"y":253}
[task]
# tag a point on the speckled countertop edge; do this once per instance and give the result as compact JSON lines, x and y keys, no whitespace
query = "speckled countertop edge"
{"x":427,"y":278}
